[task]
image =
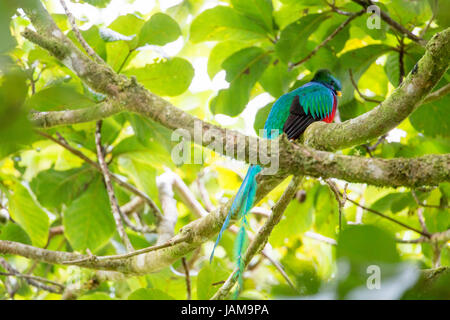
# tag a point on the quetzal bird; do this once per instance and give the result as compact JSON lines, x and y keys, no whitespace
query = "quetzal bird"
{"x":293,"y":112}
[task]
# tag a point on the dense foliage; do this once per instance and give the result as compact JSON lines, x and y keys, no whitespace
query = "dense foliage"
{"x":250,"y":50}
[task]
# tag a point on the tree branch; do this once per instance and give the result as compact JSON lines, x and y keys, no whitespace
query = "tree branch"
{"x":109,"y":188}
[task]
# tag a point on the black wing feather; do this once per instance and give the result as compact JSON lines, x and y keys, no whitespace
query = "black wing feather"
{"x":298,"y":120}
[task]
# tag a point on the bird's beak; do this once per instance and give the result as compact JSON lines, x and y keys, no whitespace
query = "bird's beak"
{"x":339,"y":93}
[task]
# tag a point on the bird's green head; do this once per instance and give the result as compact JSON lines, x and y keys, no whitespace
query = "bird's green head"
{"x":325,"y":77}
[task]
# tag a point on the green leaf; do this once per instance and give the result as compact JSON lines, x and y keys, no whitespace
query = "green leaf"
{"x":96,"y":3}
{"x":405,"y":11}
{"x":243,"y":68}
{"x":93,"y":38}
{"x":224,"y":23}
{"x":119,"y":55}
{"x":259,"y":10}
{"x":220,"y":52}
{"x":54,"y":188}
{"x":13,"y":232}
{"x":393,"y":202}
{"x":159,"y":30}
{"x":29,"y":215}
{"x":88,"y":221}
{"x":165,"y":77}
{"x":152,"y":135}
{"x":128,"y":25}
{"x":277,"y":78}
{"x":7,"y":9}
{"x":297,"y":219}
{"x":430,"y":118}
{"x":261,"y":117}
{"x":291,"y":45}
{"x":367,"y":244}
{"x":140,"y":164}
{"x":149,"y":294}
{"x":15,"y":128}
{"x":208,"y":276}
{"x":59,"y":97}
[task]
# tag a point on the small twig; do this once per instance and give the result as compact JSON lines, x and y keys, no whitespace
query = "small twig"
{"x":109,"y":188}
{"x":329,"y":38}
{"x":169,"y":243}
{"x":94,"y":164}
{"x":355,"y":85}
{"x":438,"y":94}
{"x":79,"y":36}
{"x":188,"y":278}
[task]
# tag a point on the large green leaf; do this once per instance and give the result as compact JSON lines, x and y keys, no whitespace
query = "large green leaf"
{"x":224,"y":23}
{"x":165,"y":77}
{"x":88,"y":221}
{"x":243,"y":68}
{"x":159,"y":30}
{"x":291,"y":45}
{"x":29,"y":215}
{"x":259,"y":10}
{"x":220,"y":52}
{"x":367,"y":245}
{"x":59,"y":97}
{"x":277,"y":78}
{"x":54,"y":188}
